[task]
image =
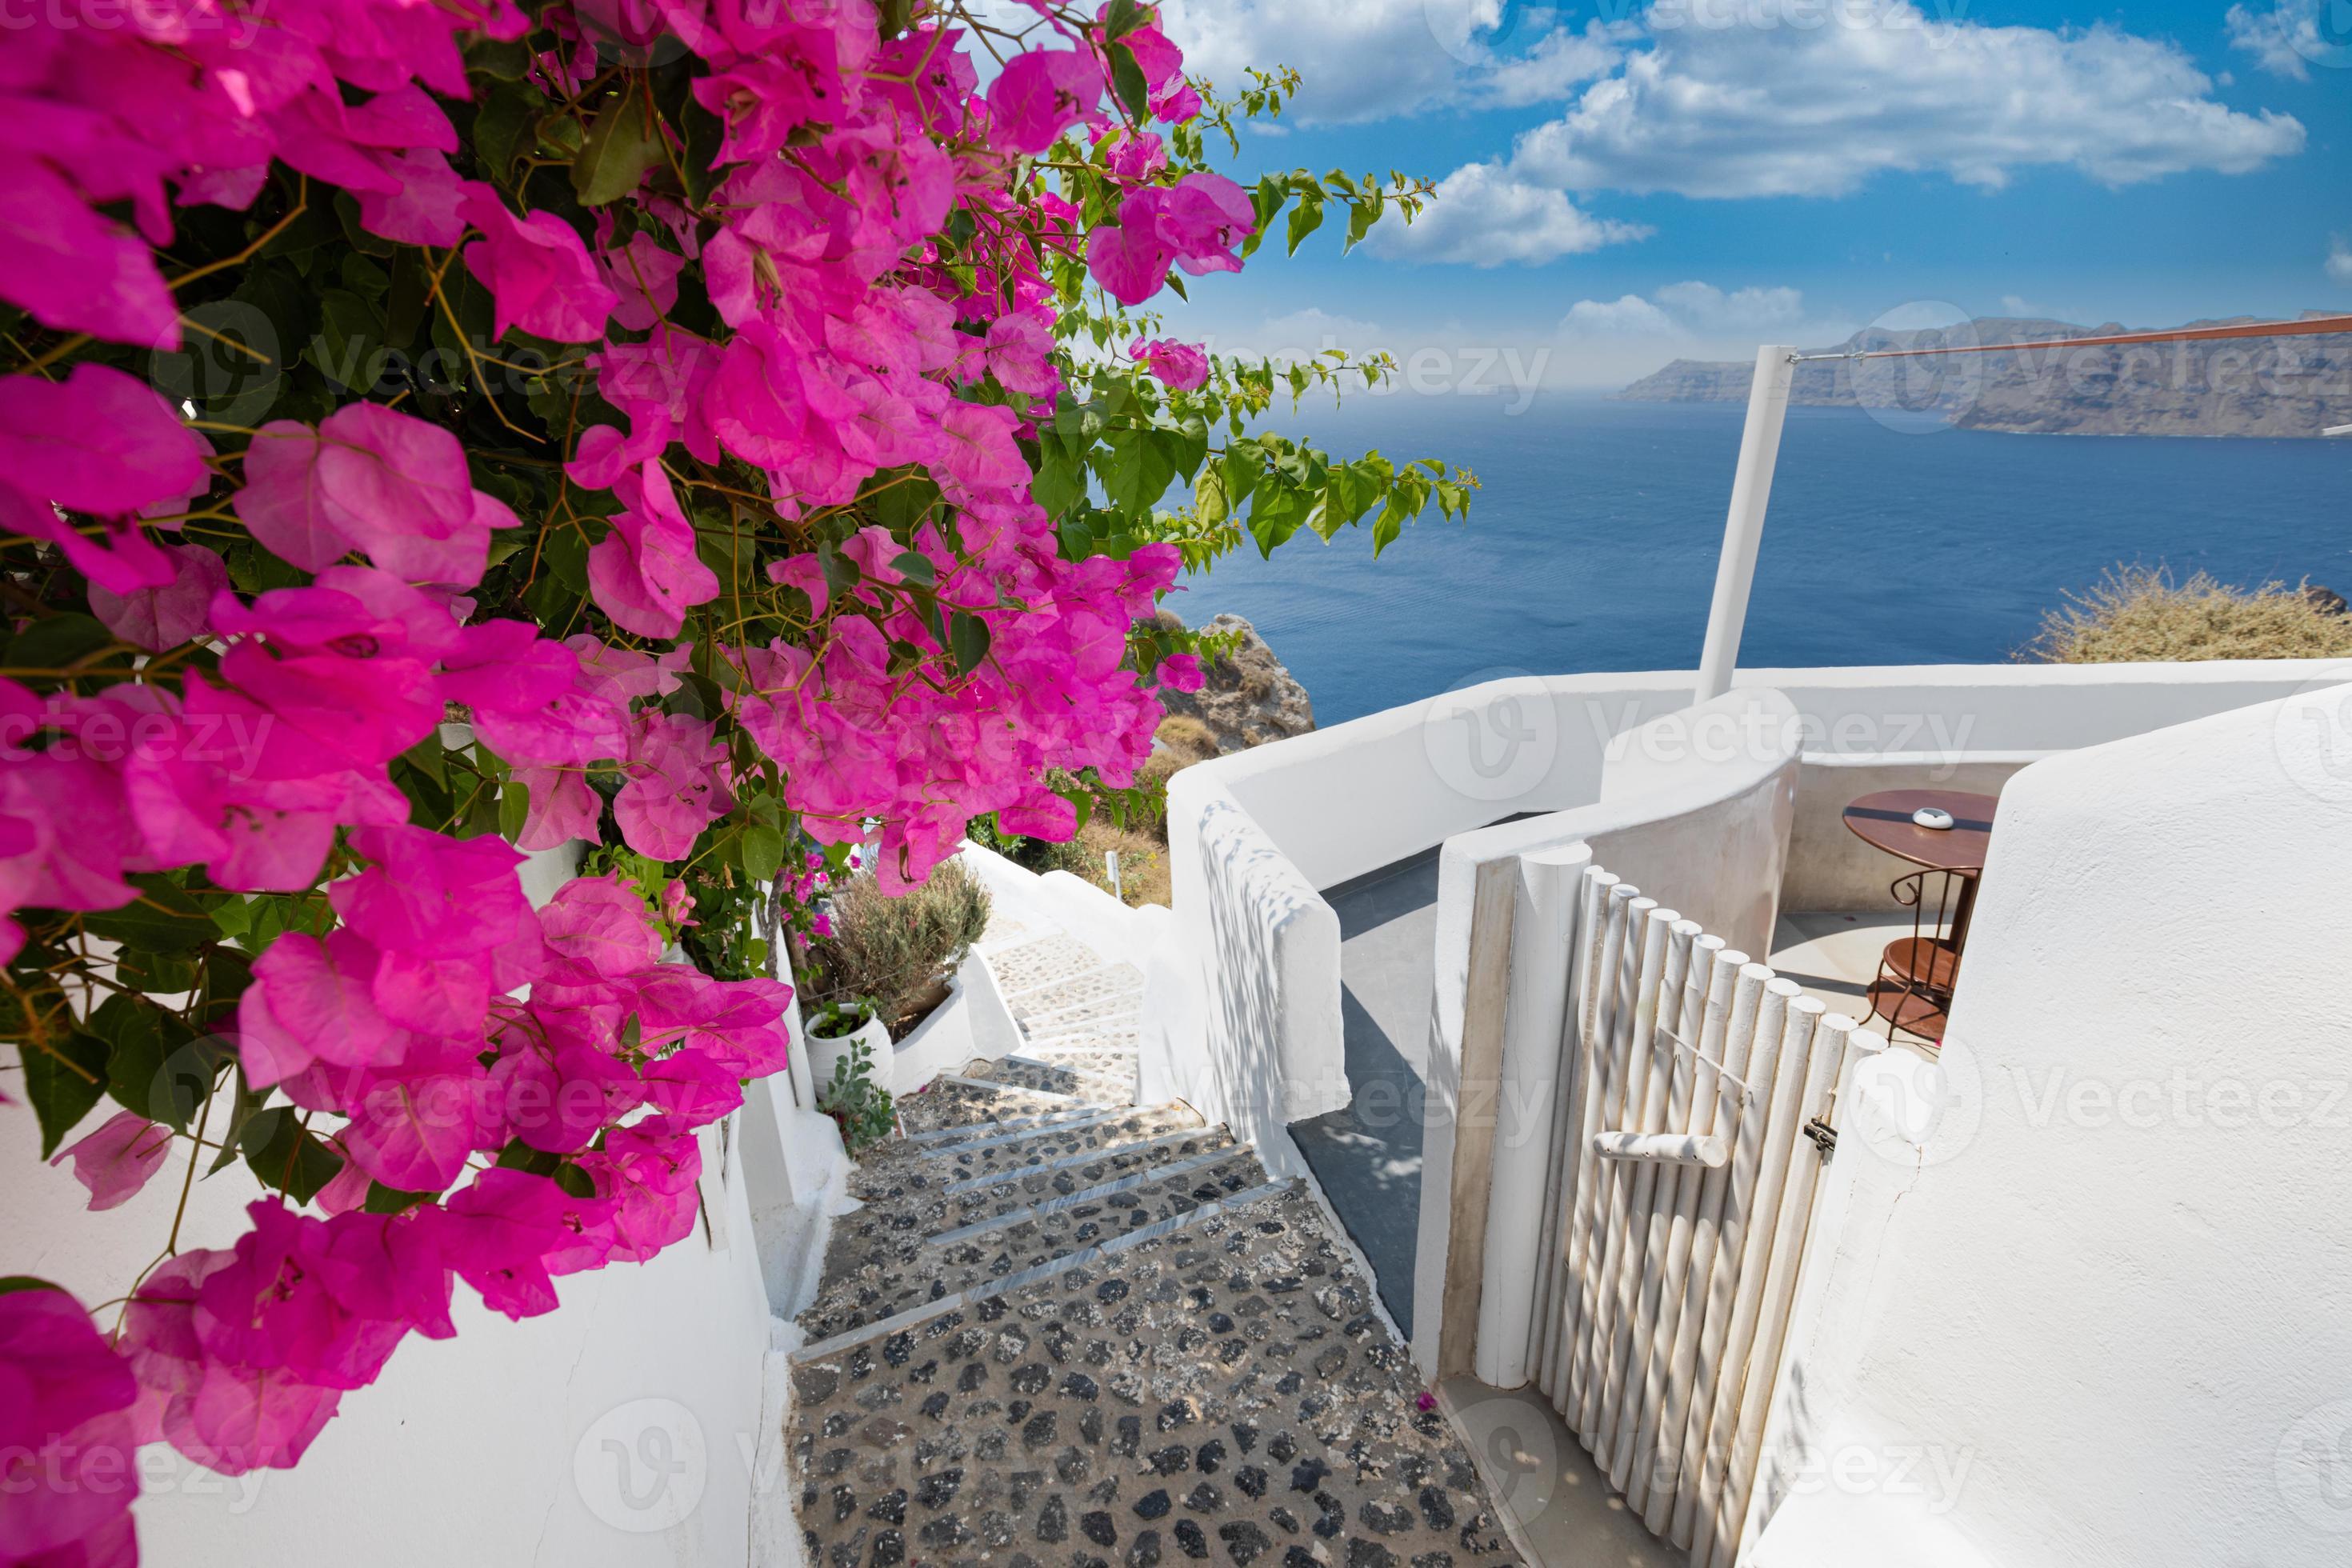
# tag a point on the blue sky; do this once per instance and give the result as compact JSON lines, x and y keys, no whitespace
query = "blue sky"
{"x":1622,"y":182}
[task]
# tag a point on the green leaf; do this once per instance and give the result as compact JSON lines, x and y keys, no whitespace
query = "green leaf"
{"x":348,"y":348}
{"x":514,"y":808}
{"x":63,"y":1081}
{"x":382,"y":1199}
{"x":287,"y":1157}
{"x":1305,"y":219}
{"x":917,"y":567}
{"x":969,"y":636}
{"x":166,"y":916}
{"x":625,"y":142}
{"x":1121,"y":18}
{"x":58,"y":642}
{"x":1126,"y":80}
{"x":764,"y":852}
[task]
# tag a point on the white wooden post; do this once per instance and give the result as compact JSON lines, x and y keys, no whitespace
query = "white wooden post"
{"x":1743,"y":529}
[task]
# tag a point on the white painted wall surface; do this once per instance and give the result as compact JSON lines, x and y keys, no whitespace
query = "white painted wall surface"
{"x":492,"y":1447}
{"x":2104,"y":1289}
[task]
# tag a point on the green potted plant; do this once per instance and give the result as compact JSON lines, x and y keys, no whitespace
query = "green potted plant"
{"x":852,"y":1093}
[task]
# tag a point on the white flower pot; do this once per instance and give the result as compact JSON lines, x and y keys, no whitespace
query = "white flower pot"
{"x":823,"y":1053}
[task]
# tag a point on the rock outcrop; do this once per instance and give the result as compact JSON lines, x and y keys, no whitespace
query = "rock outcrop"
{"x":2247,"y":386}
{"x":1246,"y":698}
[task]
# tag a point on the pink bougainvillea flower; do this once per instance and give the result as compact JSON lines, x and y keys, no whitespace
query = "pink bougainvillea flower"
{"x":559,"y":1100}
{"x":164,"y":617}
{"x":538,"y":271}
{"x":321,"y":994}
{"x":425,"y":209}
{"x":430,"y":895}
{"x":1203,"y":216}
{"x":73,"y":270}
{"x":645,"y":573}
{"x":66,"y":1423}
{"x":1181,"y":672}
{"x":98,"y":442}
{"x":412,"y":1131}
{"x":1180,"y":367}
{"x":1039,"y":94}
{"x":563,"y":807}
{"x":650,"y":1171}
{"x":600,"y":922}
{"x":644,"y":276}
{"x":1020,"y":354}
{"x":497,"y":1234}
{"x":370,"y":479}
{"x":675,"y":788}
{"x":1129,"y":259}
{"x":115,"y":1161}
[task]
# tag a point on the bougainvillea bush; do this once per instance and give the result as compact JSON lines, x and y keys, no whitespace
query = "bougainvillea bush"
{"x":727,"y":432}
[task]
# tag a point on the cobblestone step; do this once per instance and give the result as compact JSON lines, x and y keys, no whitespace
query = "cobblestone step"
{"x":1215,"y":1387}
{"x":1041,"y":960}
{"x":1103,"y":1086}
{"x":897,"y":1272}
{"x":953,"y":1103}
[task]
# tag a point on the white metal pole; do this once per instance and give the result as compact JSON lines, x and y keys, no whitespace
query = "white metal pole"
{"x":1743,"y":529}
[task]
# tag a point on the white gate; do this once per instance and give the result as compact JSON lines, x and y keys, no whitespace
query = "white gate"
{"x":1700,"y":1109}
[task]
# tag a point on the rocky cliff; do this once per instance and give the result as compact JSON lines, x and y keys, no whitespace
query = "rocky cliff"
{"x":1247,"y":697}
{"x":2247,"y":386}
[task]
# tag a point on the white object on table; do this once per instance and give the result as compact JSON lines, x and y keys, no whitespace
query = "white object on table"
{"x":1933,"y":817}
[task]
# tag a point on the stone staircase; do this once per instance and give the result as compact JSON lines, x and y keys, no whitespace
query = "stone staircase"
{"x":1064,"y":1328}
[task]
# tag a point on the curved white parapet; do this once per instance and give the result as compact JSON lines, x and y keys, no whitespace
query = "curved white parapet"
{"x":1252,"y":972}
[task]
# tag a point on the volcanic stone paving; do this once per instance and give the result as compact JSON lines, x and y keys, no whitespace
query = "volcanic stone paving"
{"x":1068,"y":1331}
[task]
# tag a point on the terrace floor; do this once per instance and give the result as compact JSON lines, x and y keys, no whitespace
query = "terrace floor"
{"x":1834,"y":956}
{"x":1367,"y":1155}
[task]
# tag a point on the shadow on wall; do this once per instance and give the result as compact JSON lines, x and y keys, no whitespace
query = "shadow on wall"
{"x":1259,"y":919}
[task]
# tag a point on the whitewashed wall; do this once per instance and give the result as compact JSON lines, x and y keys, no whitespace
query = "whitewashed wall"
{"x":1254,"y":982}
{"x":639,"y":1425}
{"x":2089,"y":1299}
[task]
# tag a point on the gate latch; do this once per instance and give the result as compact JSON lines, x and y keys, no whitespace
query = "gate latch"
{"x":1822,"y":1134}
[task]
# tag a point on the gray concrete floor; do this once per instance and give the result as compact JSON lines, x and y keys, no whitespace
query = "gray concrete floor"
{"x":1559,"y":1503}
{"x":1367,"y":1155}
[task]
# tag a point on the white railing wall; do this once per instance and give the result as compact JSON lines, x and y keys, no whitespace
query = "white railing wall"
{"x":1677,"y":1209}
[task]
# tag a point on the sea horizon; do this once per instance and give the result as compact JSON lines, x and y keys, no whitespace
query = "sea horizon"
{"x":1592,"y":544}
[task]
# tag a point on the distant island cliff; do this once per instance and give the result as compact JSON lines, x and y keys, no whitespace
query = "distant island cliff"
{"x":2246,"y":386}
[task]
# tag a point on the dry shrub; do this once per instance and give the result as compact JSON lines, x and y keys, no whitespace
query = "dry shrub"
{"x":888,"y":951}
{"x":2140,"y":614}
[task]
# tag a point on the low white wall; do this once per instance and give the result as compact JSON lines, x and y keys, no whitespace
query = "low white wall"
{"x":639,"y":1423}
{"x":488,"y":1447}
{"x":1251,"y":975}
{"x":2087,"y":1296}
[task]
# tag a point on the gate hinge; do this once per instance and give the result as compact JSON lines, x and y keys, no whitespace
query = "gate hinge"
{"x":1823,"y":1134}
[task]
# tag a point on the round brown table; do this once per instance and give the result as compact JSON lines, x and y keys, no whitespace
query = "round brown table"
{"x":1884,"y":822}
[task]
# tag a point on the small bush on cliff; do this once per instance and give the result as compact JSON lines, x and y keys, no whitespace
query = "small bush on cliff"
{"x":2139,"y":614}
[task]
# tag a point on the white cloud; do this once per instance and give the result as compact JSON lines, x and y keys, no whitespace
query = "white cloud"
{"x":1691,"y":310}
{"x":1362,"y":60}
{"x":1559,"y":62}
{"x":1374,"y":60}
{"x":2283,"y":40}
{"x":2339,"y":260}
{"x":1609,"y":342}
{"x":1628,"y":316}
{"x":1483,"y":216}
{"x":1742,"y":110}
{"x":2016,"y":306}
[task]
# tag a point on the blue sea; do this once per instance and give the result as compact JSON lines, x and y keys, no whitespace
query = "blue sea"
{"x":1592,"y":545}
